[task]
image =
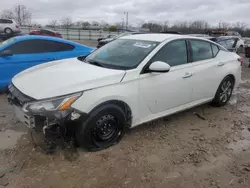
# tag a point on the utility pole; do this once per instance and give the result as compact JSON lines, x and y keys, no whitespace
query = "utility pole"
{"x":122,"y":23}
{"x":126,"y":20}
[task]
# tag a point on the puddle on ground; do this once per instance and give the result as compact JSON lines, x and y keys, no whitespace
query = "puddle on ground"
{"x":9,"y":138}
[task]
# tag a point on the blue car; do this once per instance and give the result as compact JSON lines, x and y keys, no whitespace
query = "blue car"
{"x":22,"y":52}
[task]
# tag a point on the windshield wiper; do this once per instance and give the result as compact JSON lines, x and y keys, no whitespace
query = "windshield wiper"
{"x":93,"y":62}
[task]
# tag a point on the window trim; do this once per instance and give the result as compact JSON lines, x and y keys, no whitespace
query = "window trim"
{"x":144,"y":69}
{"x":192,"y":57}
{"x":214,"y":55}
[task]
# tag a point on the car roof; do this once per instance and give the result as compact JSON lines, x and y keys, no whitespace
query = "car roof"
{"x":40,"y":37}
{"x":160,"y":37}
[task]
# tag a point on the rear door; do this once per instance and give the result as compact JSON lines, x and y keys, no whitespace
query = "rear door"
{"x":26,"y":54}
{"x":207,"y":69}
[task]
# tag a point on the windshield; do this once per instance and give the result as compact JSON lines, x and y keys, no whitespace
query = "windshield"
{"x":228,"y":44}
{"x":121,"y":54}
{"x":121,"y":35}
{"x":247,"y":41}
{"x":2,"y":44}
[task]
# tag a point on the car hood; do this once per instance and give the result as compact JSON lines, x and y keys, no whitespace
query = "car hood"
{"x":64,"y":77}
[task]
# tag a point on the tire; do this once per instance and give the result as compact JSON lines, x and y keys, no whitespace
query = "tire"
{"x":224,"y":92}
{"x":102,"y":129}
{"x":8,"y":31}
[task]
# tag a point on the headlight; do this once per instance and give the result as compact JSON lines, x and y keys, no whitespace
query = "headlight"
{"x":54,"y":104}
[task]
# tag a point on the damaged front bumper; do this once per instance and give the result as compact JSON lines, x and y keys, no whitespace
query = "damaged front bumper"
{"x":42,"y":120}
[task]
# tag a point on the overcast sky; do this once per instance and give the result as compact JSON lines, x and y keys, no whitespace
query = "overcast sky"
{"x":140,"y":11}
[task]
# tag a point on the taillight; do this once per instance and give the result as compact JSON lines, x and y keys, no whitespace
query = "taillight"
{"x":241,"y":60}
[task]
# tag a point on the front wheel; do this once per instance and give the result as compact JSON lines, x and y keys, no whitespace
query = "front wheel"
{"x":104,"y":128}
{"x":224,"y":92}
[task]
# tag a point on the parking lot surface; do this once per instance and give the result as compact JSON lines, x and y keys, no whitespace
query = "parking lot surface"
{"x":201,"y":147}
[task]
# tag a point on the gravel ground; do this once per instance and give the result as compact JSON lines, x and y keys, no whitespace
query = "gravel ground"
{"x":180,"y":151}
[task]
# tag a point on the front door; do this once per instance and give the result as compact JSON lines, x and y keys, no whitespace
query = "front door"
{"x":164,"y":91}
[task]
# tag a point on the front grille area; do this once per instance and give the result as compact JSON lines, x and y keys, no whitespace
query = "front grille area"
{"x":17,"y":97}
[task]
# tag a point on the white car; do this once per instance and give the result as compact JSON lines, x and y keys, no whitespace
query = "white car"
{"x":9,"y":26}
{"x":130,"y":81}
{"x":232,"y":43}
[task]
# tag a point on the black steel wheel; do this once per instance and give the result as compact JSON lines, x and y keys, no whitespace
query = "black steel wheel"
{"x":107,"y":130}
{"x":103,"y":128}
{"x":224,"y":92}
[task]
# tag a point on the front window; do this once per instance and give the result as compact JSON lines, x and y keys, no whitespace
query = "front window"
{"x":173,"y":53}
{"x":121,"y":54}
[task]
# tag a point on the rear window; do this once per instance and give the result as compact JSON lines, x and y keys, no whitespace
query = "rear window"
{"x":39,"y":46}
{"x":6,"y":42}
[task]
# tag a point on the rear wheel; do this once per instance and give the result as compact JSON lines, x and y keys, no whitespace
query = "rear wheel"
{"x":224,"y":92}
{"x":104,"y":128}
{"x":8,"y":31}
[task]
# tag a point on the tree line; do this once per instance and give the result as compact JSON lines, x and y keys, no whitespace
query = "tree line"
{"x":197,"y":27}
{"x":23,"y":16}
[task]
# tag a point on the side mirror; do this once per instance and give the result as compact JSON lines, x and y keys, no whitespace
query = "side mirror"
{"x":159,"y":66}
{"x":5,"y":53}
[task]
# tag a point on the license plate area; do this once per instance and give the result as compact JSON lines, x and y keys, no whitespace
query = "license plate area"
{"x":24,"y":118}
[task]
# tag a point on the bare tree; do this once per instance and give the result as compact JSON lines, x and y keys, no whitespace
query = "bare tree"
{"x":240,"y":25}
{"x":7,"y":14}
{"x":86,"y":24}
{"x":152,"y":26}
{"x":53,"y":23}
{"x":165,"y":25}
{"x":95,"y":23}
{"x":78,"y":24}
{"x":22,"y":15}
{"x":224,"y":25}
{"x":66,"y":22}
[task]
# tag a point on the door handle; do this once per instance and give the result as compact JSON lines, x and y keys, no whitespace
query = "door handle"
{"x":221,"y":64}
{"x":187,"y":75}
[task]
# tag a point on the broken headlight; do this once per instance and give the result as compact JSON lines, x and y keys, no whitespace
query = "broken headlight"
{"x":53,"y":104}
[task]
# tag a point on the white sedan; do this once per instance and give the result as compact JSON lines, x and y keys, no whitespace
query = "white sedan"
{"x":130,"y":81}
